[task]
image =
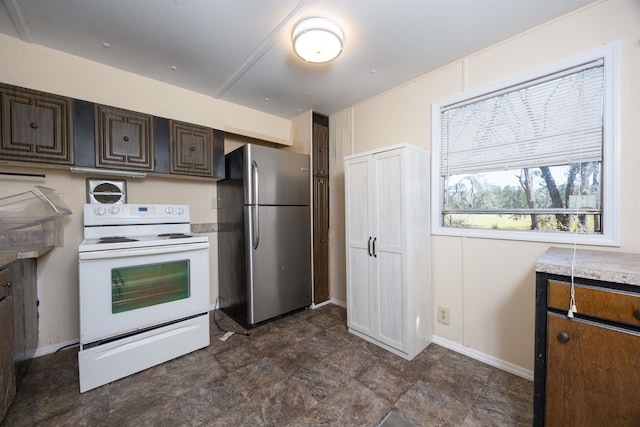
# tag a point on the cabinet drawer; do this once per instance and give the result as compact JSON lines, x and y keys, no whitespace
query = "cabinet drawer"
{"x":602,"y":303}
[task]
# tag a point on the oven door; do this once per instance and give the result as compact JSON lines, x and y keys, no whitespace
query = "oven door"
{"x":129,"y":290}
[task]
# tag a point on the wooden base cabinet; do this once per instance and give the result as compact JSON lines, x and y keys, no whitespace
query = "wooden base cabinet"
{"x":587,"y":370}
{"x":7,"y":366}
{"x":387,"y":248}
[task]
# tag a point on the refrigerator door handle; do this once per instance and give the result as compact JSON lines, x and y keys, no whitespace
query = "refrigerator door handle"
{"x":254,"y":210}
{"x":256,"y":226}
{"x":254,"y":171}
{"x":369,"y":246}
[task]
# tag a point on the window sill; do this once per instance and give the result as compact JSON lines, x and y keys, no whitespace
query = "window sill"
{"x":529,"y":236}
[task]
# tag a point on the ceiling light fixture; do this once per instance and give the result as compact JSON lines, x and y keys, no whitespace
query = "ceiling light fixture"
{"x":317,"y":40}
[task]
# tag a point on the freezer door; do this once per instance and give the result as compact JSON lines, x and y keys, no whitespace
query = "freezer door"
{"x":275,"y":177}
{"x":278,"y":247}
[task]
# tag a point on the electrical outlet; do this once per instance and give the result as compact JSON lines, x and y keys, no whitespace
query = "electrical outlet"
{"x":443,"y":315}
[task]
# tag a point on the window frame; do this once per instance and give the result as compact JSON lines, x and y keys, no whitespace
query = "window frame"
{"x":610,"y":167}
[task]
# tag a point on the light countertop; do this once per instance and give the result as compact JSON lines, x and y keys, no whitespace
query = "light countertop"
{"x":618,"y":267}
{"x":7,"y":256}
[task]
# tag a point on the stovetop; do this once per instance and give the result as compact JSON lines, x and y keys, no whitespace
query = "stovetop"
{"x":139,"y":241}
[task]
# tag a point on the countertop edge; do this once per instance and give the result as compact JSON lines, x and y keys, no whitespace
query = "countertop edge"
{"x":7,"y":256}
{"x":609,"y":266}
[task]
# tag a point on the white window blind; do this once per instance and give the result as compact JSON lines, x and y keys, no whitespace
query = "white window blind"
{"x":550,"y":121}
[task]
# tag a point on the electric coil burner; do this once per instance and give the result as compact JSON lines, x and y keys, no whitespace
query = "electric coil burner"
{"x":144,"y":290}
{"x":116,"y":239}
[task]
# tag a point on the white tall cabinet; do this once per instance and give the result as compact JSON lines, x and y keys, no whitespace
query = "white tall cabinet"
{"x":387,"y":248}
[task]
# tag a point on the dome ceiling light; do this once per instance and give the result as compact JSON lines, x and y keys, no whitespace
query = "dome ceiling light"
{"x":317,"y":40}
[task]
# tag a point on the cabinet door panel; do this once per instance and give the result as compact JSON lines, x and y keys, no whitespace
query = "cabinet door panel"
{"x":320,"y":239}
{"x":359,"y":291}
{"x":124,"y":139}
{"x":357,"y":187}
{"x":390,"y":299}
{"x":358,"y":239}
{"x":320,"y":150}
{"x":593,"y":378}
{"x":36,"y":127}
{"x":191,"y":149}
{"x":389,"y":201}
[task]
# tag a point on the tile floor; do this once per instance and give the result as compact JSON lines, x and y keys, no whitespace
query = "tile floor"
{"x":304,"y":369}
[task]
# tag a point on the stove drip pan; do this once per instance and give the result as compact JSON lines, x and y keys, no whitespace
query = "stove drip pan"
{"x":116,"y":239}
{"x":175,"y":235}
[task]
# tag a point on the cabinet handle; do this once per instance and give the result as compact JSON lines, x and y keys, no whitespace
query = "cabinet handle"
{"x":193,"y":148}
{"x":636,"y":313}
{"x":33,"y":125}
{"x":7,"y":285}
{"x":126,"y":138}
{"x":374,"y":247}
{"x":563,"y":337}
{"x":369,"y":246}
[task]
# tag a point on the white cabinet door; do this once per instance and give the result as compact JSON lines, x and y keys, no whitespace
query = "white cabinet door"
{"x":359,"y":292}
{"x":389,"y":291}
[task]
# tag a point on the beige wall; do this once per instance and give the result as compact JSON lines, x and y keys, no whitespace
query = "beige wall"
{"x":489,"y":284}
{"x":36,"y":67}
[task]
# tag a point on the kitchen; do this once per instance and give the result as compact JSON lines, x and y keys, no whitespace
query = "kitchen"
{"x":492,"y":299}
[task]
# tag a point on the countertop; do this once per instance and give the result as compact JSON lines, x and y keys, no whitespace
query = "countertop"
{"x":618,"y":267}
{"x":7,"y":256}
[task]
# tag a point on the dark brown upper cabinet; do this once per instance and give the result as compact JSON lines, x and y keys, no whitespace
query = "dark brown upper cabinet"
{"x":35,"y":126}
{"x":191,"y":149}
{"x":195,"y":150}
{"x":124,"y":139}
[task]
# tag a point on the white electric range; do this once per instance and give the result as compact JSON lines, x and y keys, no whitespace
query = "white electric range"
{"x":144,"y":289}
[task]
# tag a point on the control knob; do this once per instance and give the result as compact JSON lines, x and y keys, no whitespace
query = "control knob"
{"x":169,"y":210}
{"x":100,"y":211}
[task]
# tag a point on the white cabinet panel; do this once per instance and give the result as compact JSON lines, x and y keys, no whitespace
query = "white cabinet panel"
{"x":388,"y":267}
{"x":359,"y":315}
{"x":389,"y":200}
{"x":390,"y":300}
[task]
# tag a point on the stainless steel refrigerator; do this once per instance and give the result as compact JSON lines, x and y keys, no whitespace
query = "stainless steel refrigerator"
{"x":264,"y":235}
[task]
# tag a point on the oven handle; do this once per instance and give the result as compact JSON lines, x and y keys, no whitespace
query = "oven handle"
{"x":121,"y":253}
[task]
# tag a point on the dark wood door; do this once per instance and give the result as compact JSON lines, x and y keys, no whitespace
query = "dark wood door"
{"x":124,"y":139}
{"x":593,"y":375}
{"x":191,"y":149}
{"x":36,"y":126}
{"x":320,"y":155}
{"x":7,"y":367}
{"x":320,"y":239}
{"x":320,"y":150}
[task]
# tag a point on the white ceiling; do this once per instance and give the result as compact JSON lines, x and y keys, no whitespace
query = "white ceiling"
{"x":240,"y":50}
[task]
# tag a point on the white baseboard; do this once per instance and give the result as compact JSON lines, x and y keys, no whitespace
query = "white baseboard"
{"x":484,"y":358}
{"x":322,"y":304}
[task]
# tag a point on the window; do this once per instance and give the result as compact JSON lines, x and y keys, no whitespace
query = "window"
{"x":533,"y":157}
